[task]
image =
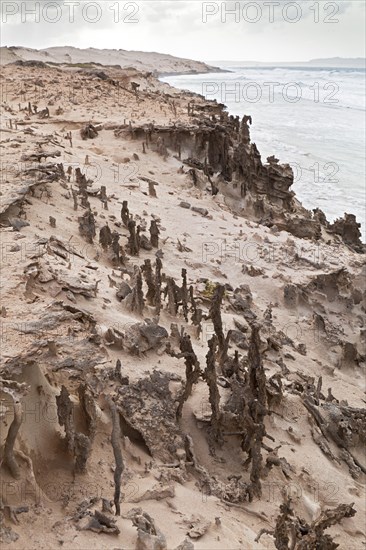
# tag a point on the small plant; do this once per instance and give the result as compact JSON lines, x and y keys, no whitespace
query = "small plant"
{"x":210,"y":288}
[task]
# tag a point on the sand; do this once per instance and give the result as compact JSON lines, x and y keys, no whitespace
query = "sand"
{"x":265,"y":259}
{"x":144,"y":61}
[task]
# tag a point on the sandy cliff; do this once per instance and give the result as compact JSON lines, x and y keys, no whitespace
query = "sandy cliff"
{"x":144,"y":61}
{"x":182,"y":342}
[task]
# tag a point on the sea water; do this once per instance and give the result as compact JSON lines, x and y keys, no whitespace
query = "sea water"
{"x":312,"y":119}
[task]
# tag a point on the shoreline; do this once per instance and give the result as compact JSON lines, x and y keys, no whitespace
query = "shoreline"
{"x":295,"y":161}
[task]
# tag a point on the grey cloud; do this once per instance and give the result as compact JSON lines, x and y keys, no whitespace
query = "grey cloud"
{"x":176,"y":27}
{"x":57,"y":21}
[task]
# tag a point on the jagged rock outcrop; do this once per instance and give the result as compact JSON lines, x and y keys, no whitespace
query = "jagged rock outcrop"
{"x":88,"y":132}
{"x":210,"y":376}
{"x":223,"y":147}
{"x":193,"y":371}
{"x":16,"y":390}
{"x":149,"y":537}
{"x":105,"y":237}
{"x":134,"y":301}
{"x":125,"y":214}
{"x":149,"y":407}
{"x":350,"y":356}
{"x":302,"y":227}
{"x":87,"y":226}
{"x":78,"y":443}
{"x":293,"y":532}
{"x":348,"y":228}
{"x":142,"y":337}
{"x":154,"y":234}
{"x":134,"y":238}
{"x":221,"y":150}
{"x":335,"y":285}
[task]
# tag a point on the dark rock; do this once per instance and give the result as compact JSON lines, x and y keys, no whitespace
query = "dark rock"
{"x":290,"y":293}
{"x":239,"y":339}
{"x":17,"y":223}
{"x":87,"y":226}
{"x":154,"y":334}
{"x":242,"y":299}
{"x":88,"y":132}
{"x":350,"y":356}
{"x":142,"y":337}
{"x":202,"y":211}
{"x":335,"y":285}
{"x":149,"y":537}
{"x":349,"y":230}
{"x":123,"y":290}
{"x":149,"y":407}
{"x":302,"y":228}
{"x":145,"y":243}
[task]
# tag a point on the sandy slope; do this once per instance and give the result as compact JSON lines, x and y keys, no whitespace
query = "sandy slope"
{"x":144,"y":61}
{"x":315,"y":481}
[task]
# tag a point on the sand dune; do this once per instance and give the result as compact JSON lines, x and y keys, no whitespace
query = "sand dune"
{"x":144,"y":61}
{"x":165,"y":298}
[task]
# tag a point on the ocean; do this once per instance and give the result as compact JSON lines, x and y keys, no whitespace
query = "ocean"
{"x":312,"y":119}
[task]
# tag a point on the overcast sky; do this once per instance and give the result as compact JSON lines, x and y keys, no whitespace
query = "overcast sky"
{"x":263,"y":30}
